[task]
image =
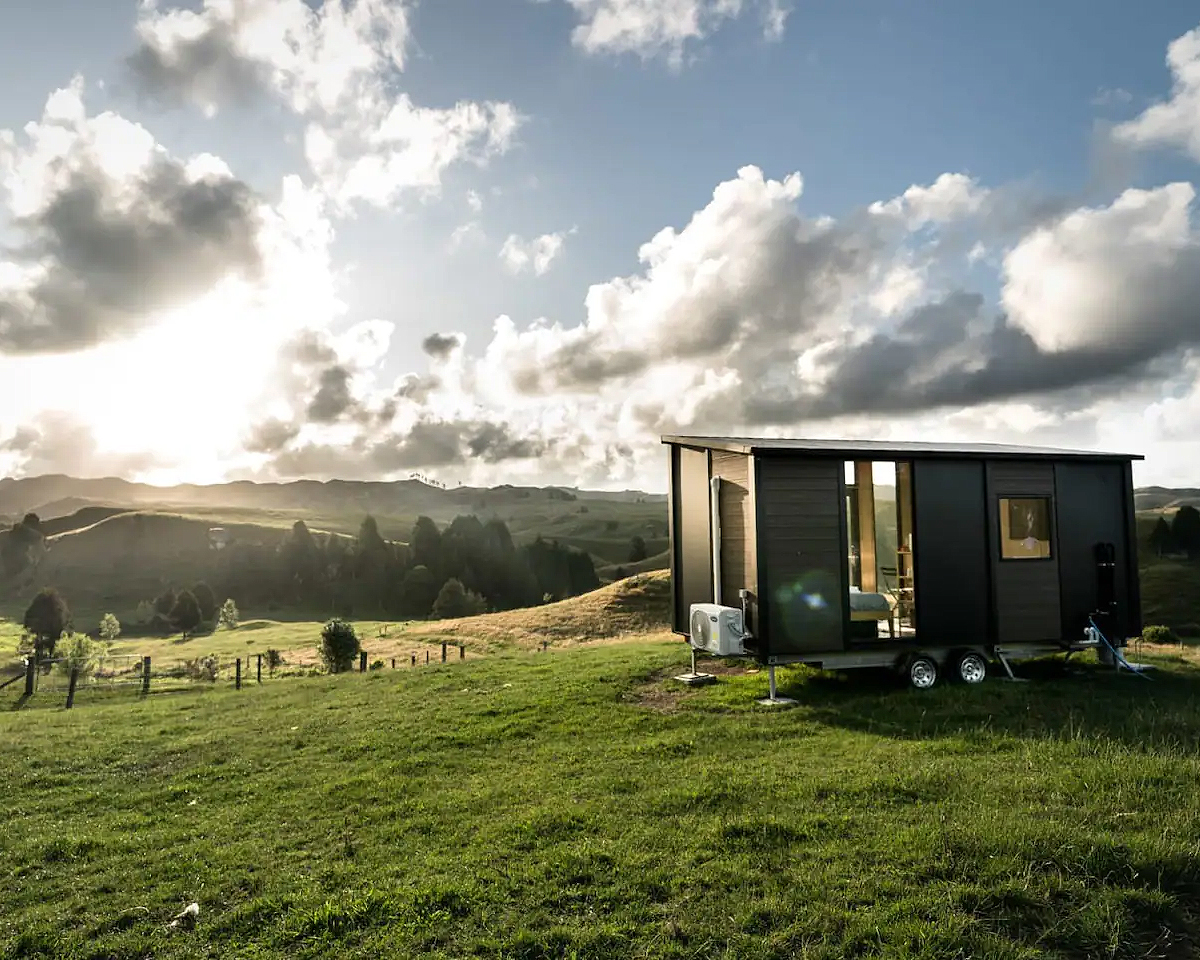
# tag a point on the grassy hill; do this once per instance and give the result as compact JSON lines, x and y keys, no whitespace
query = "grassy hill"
{"x":582,"y":804}
{"x":638,"y":607}
{"x":93,"y":559}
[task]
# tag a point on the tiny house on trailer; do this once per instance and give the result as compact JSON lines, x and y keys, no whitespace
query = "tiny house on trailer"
{"x":931,"y":558}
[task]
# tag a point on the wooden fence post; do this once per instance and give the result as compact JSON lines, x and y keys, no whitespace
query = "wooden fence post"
{"x":30,"y":675}
{"x":462,"y":651}
{"x":362,"y":661}
{"x":393,"y":663}
{"x":71,"y":687}
{"x":443,"y":651}
{"x":426,"y":656}
{"x":145,"y":675}
{"x":545,"y":644}
{"x":414,"y":659}
{"x":237,"y":677}
{"x":258,"y":666}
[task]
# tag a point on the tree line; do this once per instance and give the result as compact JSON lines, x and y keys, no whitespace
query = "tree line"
{"x":469,"y":567}
{"x":1181,"y":535}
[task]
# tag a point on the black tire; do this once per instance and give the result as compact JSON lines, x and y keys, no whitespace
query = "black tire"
{"x":970,"y":667}
{"x":922,"y":672}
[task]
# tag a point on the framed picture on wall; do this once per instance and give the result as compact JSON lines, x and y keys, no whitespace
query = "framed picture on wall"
{"x":1029,"y":519}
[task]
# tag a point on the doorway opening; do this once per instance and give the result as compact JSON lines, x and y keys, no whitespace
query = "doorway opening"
{"x":879,"y":549}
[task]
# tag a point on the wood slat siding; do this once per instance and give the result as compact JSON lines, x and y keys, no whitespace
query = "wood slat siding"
{"x":802,"y":554}
{"x":736,"y":524}
{"x":1027,"y":594}
{"x":693,"y":522}
{"x":950,"y":549}
{"x":1091,"y":510}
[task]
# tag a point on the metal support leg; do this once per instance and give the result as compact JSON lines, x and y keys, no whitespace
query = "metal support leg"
{"x":774,"y":700}
{"x":694,"y":678}
{"x":1008,"y":668}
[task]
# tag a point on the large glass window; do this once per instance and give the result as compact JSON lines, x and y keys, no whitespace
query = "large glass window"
{"x":1024,"y":528}
{"x":879,"y":524}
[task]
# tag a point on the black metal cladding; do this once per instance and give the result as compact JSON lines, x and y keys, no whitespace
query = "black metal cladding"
{"x":1091,"y":511}
{"x":795,"y":545}
{"x":803,"y":554}
{"x":950,"y":550}
{"x":1027,"y":599}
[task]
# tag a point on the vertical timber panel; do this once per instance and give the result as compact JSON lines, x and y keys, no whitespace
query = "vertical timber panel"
{"x":950,"y":551}
{"x":1091,"y":509}
{"x":694,"y":535}
{"x":1028,"y":603}
{"x":803,"y":554}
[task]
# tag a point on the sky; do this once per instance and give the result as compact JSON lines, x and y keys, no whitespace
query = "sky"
{"x":514,"y":241}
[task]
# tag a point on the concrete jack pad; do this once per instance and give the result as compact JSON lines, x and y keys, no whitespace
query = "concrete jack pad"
{"x":776,"y":701}
{"x":696,"y":679}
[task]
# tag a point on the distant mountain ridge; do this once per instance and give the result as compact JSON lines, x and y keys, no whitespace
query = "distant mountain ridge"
{"x":1165,"y":498}
{"x":56,"y":495}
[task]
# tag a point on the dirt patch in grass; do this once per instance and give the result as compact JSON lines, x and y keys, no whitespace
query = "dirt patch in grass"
{"x":662,"y":693}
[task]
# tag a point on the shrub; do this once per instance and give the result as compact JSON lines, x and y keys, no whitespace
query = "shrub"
{"x":185,"y":614}
{"x":47,"y":619}
{"x":206,"y":600}
{"x":339,"y":645}
{"x":274,"y":659}
{"x":1159,"y":634}
{"x":637,"y":550}
{"x":228,"y":616}
{"x":110,"y":628}
{"x":204,"y":669}
{"x":79,"y":652}
{"x":454,"y":600}
{"x":377,"y":665}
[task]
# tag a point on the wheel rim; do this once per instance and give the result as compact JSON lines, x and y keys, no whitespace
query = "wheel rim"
{"x":972,"y":668}
{"x":922,"y":674}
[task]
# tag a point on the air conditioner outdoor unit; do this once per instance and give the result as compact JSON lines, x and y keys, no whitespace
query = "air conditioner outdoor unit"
{"x":717,"y":630}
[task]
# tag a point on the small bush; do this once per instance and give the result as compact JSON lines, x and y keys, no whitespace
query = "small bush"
{"x":78,"y":652}
{"x":110,"y":628}
{"x":274,"y":659}
{"x":339,"y":645}
{"x":228,"y":616}
{"x":202,"y":669}
{"x":377,"y":665}
{"x":1159,"y":634}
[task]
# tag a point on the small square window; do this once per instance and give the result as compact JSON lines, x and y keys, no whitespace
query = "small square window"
{"x":1025,"y":528}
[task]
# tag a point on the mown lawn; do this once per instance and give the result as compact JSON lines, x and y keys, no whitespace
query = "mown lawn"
{"x":581,"y":804}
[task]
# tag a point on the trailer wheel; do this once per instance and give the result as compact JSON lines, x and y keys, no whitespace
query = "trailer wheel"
{"x":970,"y":667}
{"x":922,"y":672}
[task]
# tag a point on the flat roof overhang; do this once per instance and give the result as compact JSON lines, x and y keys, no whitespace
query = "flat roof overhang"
{"x":891,"y":449}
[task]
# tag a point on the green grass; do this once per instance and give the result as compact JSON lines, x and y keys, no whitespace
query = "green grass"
{"x":581,"y":804}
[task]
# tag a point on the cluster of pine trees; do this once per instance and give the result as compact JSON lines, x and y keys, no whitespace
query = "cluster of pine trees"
{"x":1181,"y":535}
{"x":469,"y":567}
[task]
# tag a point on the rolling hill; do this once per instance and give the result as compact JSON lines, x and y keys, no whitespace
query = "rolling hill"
{"x":125,"y":542}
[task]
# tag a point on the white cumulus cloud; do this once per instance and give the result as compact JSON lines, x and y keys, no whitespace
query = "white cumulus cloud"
{"x":335,"y":66}
{"x":1174,"y":122}
{"x":536,"y":254}
{"x":664,"y":28}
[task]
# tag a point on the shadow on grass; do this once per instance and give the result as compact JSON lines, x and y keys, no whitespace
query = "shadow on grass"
{"x":1059,"y":699}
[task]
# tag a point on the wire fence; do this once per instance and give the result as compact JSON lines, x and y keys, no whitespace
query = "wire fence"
{"x":99,"y":676}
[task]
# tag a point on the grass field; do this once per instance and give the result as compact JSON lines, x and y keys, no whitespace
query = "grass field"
{"x":637,"y":606}
{"x":582,"y":804}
